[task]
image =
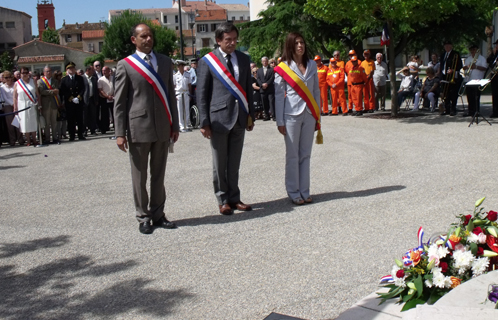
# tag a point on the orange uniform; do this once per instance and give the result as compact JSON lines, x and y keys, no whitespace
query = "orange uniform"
{"x":324,"y":88}
{"x":347,"y":68}
{"x":369,"y":88}
{"x":340,"y":64}
{"x":356,"y":78}
{"x":336,"y":76}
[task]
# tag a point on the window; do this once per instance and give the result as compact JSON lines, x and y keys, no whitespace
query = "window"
{"x":165,"y":19}
{"x":101,"y":45}
{"x":241,"y":18}
{"x":69,"y":38}
{"x":10,"y":24}
{"x":2,"y":46}
{"x":11,"y":45}
{"x":176,"y":28}
{"x":214,"y":26}
{"x":233,"y":18}
{"x":79,"y":37}
{"x":248,"y":18}
{"x":1,"y":25}
{"x":205,"y":42}
{"x":90,"y":47}
{"x":46,"y":24}
{"x":202,"y":28}
{"x":176,"y":19}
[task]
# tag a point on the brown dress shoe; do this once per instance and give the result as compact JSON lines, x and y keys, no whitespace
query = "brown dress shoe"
{"x":240,"y":206}
{"x":226,"y":210}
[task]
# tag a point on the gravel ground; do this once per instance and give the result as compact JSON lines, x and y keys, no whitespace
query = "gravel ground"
{"x":70,"y":246}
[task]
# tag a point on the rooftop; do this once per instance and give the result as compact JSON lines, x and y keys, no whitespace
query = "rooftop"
{"x":234,"y":7}
{"x":92,"y":34}
{"x":21,"y":12}
{"x":211,"y":15}
{"x":79,"y":27}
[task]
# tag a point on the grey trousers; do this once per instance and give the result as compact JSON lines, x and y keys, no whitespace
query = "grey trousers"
{"x":153,"y":209}
{"x":227,"y":153}
{"x":50,"y":115}
{"x":300,"y":130}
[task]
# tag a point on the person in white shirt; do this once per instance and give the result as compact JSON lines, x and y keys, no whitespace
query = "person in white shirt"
{"x":380,"y":79}
{"x":106,"y":90}
{"x":7,"y":96}
{"x":182,"y":88}
{"x":474,"y":72}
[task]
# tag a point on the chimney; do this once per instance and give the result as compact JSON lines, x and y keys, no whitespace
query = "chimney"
{"x":77,"y":25}
{"x":205,"y":3}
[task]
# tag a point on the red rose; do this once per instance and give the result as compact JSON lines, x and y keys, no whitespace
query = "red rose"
{"x":480,"y":251}
{"x":492,"y":215}
{"x":400,"y":273}
{"x":477,"y":230}
{"x":444,"y":267}
{"x":467,"y":218}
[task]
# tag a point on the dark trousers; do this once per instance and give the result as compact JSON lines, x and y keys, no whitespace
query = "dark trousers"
{"x":494,"y":95}
{"x":105,"y":108}
{"x":472,"y":93}
{"x":90,"y":116}
{"x":74,"y":114}
{"x":268,"y":103}
{"x":451,"y":98}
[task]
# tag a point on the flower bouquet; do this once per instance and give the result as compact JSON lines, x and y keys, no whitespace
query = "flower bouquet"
{"x":429,"y":271}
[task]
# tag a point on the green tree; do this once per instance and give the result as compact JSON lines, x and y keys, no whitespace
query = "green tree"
{"x":6,"y":62}
{"x":51,"y":36}
{"x":256,"y":52}
{"x":117,"y":42}
{"x":204,"y":51}
{"x":406,"y":20}
{"x":98,"y":57}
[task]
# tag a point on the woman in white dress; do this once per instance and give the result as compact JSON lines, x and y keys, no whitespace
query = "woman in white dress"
{"x":294,"y":118}
{"x":26,"y":95}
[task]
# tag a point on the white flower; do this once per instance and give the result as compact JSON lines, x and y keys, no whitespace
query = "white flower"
{"x":437,"y":251}
{"x":472,"y":238}
{"x":479,"y":266}
{"x":438,"y":279}
{"x":399,"y":282}
{"x":447,"y":282}
{"x":428,"y":283}
{"x":482,"y":238}
{"x":442,"y":251}
{"x":462,"y":260}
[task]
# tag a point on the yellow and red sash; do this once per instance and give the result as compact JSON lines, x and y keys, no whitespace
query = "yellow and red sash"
{"x":49,"y":87}
{"x":302,"y":90}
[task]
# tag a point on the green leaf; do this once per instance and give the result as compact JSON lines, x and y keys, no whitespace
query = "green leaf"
{"x":470,"y":226}
{"x":473,"y":248}
{"x":412,"y":304}
{"x":419,"y":285}
{"x":398,"y":263}
{"x":492,"y":230}
{"x":408,"y":296}
{"x":479,"y":202}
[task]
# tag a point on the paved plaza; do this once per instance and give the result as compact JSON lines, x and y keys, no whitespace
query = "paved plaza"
{"x":70,"y":246}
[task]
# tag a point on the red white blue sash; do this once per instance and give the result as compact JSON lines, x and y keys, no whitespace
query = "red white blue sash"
{"x":30,"y":95}
{"x":49,"y":87}
{"x":153,"y":78}
{"x":227,"y":79}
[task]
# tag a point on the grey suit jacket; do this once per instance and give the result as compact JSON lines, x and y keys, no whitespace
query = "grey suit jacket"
{"x":138,"y":112}
{"x":217,"y":107}
{"x":47,"y":96}
{"x":95,"y":96}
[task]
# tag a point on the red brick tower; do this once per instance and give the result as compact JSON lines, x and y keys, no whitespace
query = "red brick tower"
{"x":46,"y":16}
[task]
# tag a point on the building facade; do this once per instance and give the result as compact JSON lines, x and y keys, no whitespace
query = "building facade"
{"x":15,"y":28}
{"x":71,"y":35}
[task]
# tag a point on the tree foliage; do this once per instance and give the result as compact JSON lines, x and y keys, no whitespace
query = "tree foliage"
{"x":256,"y":52}
{"x":97,"y":57}
{"x":117,"y":37}
{"x":51,"y":36}
{"x":204,"y":51}
{"x":6,"y":62}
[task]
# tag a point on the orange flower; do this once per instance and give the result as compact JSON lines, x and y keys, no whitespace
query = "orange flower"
{"x":415,"y":257}
{"x":455,"y":239}
{"x":455,"y":282}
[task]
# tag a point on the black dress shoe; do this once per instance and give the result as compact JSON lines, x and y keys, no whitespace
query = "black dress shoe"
{"x":71,"y":139}
{"x":81,"y":138}
{"x":145,"y":228}
{"x":164,"y":223}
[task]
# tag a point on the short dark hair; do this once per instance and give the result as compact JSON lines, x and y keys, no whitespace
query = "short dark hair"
{"x":289,"y":48}
{"x":35,"y":73}
{"x":88,"y":67}
{"x":430,"y":70}
{"x":24,"y":68}
{"x":225,"y":27}
{"x":134,"y":32}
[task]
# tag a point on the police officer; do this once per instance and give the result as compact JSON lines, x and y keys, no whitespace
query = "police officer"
{"x":71,"y":91}
{"x":183,"y":86}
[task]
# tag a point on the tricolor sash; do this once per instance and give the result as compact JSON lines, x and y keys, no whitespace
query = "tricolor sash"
{"x":302,"y":90}
{"x":228,"y":81}
{"x":30,"y":95}
{"x":153,"y":78}
{"x":49,"y":87}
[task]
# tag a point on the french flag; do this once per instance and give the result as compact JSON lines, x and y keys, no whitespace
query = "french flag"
{"x":385,"y":39}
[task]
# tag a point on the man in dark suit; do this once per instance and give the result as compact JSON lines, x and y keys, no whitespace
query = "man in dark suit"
{"x":71,"y":92}
{"x":91,"y":99}
{"x":492,"y":64}
{"x":450,"y":63}
{"x":142,"y":125}
{"x":265,"y":79}
{"x":221,"y":117}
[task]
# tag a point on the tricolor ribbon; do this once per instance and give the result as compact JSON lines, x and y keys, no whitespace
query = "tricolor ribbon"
{"x":386,"y":279}
{"x":228,"y":80}
{"x":49,"y":87}
{"x":144,"y":69}
{"x":302,"y":90}
{"x":27,"y":91}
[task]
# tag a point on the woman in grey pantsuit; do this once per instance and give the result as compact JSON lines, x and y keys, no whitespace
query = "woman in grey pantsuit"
{"x":294,"y":118}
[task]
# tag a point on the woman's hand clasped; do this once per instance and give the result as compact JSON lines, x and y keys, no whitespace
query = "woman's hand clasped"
{"x":282,"y":130}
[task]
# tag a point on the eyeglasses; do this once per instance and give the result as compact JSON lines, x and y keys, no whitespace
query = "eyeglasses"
{"x":7,"y":77}
{"x":97,"y":65}
{"x":24,"y":72}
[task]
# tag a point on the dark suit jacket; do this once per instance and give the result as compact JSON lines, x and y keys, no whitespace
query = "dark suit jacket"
{"x":450,"y":62}
{"x":95,"y":96}
{"x":216,"y":104}
{"x":139,"y":114}
{"x":268,"y":78}
{"x":70,"y":89}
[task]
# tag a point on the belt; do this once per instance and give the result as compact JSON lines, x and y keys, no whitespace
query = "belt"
{"x":357,"y":83}
{"x":179,"y":93}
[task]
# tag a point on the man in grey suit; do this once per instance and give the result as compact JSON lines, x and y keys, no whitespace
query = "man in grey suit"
{"x":49,"y":104}
{"x":142,"y":126}
{"x":265,"y":78}
{"x":222,"y":118}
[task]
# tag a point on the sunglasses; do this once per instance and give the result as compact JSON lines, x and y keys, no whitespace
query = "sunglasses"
{"x":7,"y":77}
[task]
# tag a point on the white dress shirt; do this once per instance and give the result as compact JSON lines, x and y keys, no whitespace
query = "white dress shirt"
{"x":153,"y":58}
{"x":235,"y":63}
{"x":476,"y":74}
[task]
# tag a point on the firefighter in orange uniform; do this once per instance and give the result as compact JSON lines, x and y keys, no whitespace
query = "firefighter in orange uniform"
{"x":348,"y":67}
{"x":335,"y":79}
{"x":322,"y":83}
{"x":369,"y":88}
{"x":357,"y":78}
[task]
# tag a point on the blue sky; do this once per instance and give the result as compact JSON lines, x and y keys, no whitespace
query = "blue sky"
{"x":89,"y":10}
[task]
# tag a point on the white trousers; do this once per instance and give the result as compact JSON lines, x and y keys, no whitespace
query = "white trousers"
{"x":430,"y":96}
{"x":183,"y":103}
{"x":300,"y":131}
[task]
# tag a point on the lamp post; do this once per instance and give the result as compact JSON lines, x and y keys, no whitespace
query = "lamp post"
{"x":191,"y":17}
{"x":181,"y":31}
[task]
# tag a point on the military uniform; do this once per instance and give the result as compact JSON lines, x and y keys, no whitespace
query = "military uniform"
{"x":71,"y":91}
{"x":182,"y":98}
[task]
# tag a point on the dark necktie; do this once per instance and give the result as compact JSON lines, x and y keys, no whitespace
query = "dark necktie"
{"x":147,"y":59}
{"x":230,"y":65}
